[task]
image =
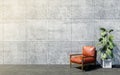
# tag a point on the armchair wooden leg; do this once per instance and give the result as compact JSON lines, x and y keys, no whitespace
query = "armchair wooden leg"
{"x":70,"y":64}
{"x":82,"y":67}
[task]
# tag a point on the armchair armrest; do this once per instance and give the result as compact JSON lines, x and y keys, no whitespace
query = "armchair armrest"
{"x":88,"y":56}
{"x":74,"y":54}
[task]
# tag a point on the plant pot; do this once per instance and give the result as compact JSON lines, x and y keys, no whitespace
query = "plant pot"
{"x":107,"y":63}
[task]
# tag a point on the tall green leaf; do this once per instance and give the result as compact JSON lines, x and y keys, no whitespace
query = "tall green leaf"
{"x":111,"y":30}
{"x":102,"y":29}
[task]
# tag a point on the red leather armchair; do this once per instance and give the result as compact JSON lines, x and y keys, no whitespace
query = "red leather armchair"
{"x":88,"y":56}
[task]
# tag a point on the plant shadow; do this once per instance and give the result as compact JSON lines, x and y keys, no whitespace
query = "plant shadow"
{"x":116,"y":59}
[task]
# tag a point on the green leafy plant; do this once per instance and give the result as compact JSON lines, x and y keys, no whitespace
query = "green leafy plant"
{"x":106,"y":43}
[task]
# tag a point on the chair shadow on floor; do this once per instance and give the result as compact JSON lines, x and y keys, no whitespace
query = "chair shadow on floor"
{"x":95,"y":68}
{"x":90,"y":67}
{"x":116,"y":66}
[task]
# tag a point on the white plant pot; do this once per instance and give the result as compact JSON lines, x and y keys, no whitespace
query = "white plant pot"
{"x":107,"y":63}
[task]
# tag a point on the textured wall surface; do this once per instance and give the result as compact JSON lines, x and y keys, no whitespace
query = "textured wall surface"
{"x":47,"y":31}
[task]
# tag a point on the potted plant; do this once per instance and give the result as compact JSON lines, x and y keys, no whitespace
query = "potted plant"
{"x":106,"y":45}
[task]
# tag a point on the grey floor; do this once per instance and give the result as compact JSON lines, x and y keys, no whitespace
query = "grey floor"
{"x":55,"y":70}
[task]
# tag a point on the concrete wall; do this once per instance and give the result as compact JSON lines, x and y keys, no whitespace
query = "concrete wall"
{"x":47,"y":31}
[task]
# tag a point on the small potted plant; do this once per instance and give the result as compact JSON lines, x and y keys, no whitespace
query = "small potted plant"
{"x":106,"y":45}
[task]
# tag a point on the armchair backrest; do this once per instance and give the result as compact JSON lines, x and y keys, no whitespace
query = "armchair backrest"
{"x":89,"y":51}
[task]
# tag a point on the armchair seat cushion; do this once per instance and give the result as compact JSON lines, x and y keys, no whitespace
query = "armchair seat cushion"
{"x":78,"y":59}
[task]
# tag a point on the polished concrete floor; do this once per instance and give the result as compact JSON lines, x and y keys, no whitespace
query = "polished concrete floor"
{"x":55,"y":70}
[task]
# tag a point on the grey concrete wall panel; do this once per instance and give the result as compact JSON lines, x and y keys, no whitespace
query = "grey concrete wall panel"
{"x":14,"y":31}
{"x":1,"y":52}
{"x":1,"y":31}
{"x":105,"y":9}
{"x":14,"y":52}
{"x":82,"y":31}
{"x":58,"y":52}
{"x":37,"y":52}
{"x":82,"y":9}
{"x":59,"y":30}
{"x":36,"y":30}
